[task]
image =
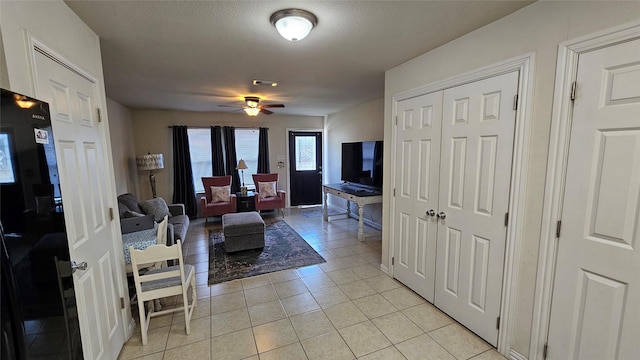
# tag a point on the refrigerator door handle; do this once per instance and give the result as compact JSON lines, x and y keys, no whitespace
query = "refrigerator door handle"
{"x":75,"y":266}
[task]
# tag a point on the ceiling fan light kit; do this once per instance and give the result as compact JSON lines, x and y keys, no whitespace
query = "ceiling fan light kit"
{"x":293,"y":24}
{"x":252,"y":111}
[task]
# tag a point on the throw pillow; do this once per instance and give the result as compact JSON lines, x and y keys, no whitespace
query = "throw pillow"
{"x":267,"y":189}
{"x":220,"y":193}
{"x":156,"y":207}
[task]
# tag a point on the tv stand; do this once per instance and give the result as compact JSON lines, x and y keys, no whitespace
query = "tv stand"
{"x":360,"y":194}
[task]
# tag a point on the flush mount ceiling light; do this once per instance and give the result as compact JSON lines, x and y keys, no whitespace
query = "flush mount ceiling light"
{"x":293,"y":24}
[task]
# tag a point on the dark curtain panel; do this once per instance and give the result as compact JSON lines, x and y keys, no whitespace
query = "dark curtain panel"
{"x":232,"y":161}
{"x":183,"y":191}
{"x":217,"y":155}
{"x":263,"y":151}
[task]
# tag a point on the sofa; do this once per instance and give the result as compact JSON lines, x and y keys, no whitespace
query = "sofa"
{"x":132,"y":210}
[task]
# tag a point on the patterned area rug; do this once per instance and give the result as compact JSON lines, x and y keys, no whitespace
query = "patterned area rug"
{"x":284,"y":249}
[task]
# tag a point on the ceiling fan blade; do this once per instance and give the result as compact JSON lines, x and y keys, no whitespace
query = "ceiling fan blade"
{"x":265,"y":111}
{"x":233,"y":106}
{"x":272,"y":106}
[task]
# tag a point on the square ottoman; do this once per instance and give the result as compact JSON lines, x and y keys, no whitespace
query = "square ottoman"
{"x":243,"y":231}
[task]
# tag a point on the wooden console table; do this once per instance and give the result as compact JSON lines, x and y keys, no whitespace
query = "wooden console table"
{"x":360,"y":194}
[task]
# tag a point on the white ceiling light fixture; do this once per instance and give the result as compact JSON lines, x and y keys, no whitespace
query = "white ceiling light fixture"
{"x":294,"y":24}
{"x":252,"y":111}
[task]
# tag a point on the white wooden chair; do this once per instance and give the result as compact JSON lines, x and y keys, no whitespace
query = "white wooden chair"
{"x":161,"y":239}
{"x":162,"y":282}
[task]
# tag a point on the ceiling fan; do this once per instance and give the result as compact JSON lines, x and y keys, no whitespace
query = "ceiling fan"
{"x":252,"y":106}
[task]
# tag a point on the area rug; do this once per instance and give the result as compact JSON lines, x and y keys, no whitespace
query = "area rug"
{"x":284,"y":249}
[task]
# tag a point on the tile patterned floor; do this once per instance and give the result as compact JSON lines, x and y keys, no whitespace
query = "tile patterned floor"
{"x":345,"y":308}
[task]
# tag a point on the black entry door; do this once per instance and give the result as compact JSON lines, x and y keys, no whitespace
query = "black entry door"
{"x":305,"y":156}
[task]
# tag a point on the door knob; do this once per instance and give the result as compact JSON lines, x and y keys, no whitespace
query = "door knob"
{"x":431,"y":212}
{"x":75,"y":266}
{"x":441,"y":215}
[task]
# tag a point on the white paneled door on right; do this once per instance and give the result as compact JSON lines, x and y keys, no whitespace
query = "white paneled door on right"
{"x":453,"y":169}
{"x":595,"y":310}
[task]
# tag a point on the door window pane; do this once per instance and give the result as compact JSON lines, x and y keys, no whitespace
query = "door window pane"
{"x":305,"y":153}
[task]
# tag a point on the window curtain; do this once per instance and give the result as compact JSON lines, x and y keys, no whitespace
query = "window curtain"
{"x":230,"y":154}
{"x":263,"y":151}
{"x":217,"y":155}
{"x":183,"y":192}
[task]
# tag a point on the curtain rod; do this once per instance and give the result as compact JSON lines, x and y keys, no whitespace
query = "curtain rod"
{"x":208,"y":127}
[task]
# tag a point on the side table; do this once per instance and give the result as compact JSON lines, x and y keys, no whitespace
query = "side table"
{"x":246,"y":202}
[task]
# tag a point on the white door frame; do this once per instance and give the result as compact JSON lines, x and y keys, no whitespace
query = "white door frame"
{"x":561,"y":117}
{"x":35,"y":45}
{"x":525,"y":65}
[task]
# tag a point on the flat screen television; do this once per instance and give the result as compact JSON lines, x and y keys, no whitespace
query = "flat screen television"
{"x":362,"y":163}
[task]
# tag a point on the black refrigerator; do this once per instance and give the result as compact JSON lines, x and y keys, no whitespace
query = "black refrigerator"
{"x":39,"y":314}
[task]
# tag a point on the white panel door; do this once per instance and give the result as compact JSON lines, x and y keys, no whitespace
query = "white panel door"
{"x":478,"y":125}
{"x":595,"y":312}
{"x":416,"y":184}
{"x":79,"y":140}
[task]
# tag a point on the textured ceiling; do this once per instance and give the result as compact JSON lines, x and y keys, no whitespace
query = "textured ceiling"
{"x":196,"y":55}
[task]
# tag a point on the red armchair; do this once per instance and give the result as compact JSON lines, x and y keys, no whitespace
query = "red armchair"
{"x":268,"y":196}
{"x":213,"y":203}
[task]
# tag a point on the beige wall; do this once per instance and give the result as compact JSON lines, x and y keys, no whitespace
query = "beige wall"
{"x":537,"y":28}
{"x":123,"y":148}
{"x":363,"y":122}
{"x":152,"y":133}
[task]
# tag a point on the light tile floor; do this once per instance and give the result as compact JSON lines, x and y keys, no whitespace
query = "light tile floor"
{"x":345,"y":308}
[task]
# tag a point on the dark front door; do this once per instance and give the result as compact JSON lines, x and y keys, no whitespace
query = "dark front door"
{"x":305,"y":155}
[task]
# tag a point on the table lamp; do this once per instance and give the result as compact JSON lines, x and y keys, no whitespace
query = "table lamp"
{"x":151,"y":162}
{"x":242,"y":166}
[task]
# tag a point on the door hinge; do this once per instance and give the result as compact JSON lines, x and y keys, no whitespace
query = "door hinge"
{"x":111,"y":214}
{"x":99,"y":115}
{"x":573,"y":90}
{"x":393,"y":260}
{"x":515,"y":102}
{"x":121,"y":303}
{"x":558,"y":226}
{"x":394,"y":192}
{"x":396,"y":119}
{"x":544,"y":351}
{"x":498,"y":323}
{"x":506,"y":219}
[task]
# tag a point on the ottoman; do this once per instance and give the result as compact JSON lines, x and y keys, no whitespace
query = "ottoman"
{"x":242,"y":231}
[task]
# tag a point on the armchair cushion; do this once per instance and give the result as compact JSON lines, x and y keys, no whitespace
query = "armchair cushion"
{"x":220,"y":193}
{"x":156,"y":207}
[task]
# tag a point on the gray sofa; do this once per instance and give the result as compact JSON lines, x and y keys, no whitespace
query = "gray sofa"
{"x":131,"y":214}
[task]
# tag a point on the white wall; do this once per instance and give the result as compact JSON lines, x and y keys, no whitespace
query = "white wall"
{"x":123,"y":148}
{"x":360,"y":123}
{"x":538,"y":28}
{"x":152,"y":133}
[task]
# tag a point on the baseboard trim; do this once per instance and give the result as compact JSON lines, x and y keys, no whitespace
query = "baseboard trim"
{"x":384,"y":269}
{"x":514,"y":355}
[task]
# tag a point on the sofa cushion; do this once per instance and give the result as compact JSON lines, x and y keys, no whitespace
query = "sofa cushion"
{"x":156,"y":207}
{"x":129,"y":201}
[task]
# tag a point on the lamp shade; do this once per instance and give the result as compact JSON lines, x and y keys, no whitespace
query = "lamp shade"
{"x":150,"y":162}
{"x":242,"y":165}
{"x":294,"y":24}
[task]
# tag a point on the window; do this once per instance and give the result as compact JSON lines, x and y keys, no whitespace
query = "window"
{"x":247,"y":150}
{"x":200,"y":150}
{"x":7,"y":175}
{"x":305,"y":148}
